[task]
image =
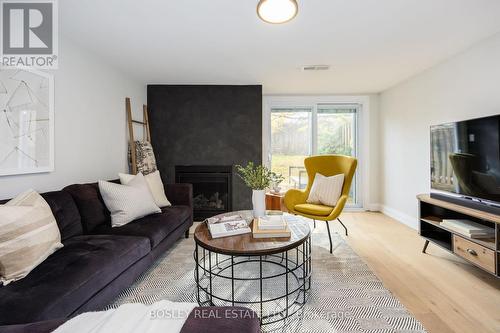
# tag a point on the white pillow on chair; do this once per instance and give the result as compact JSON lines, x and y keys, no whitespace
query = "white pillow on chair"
{"x":127,"y":203}
{"x":326,"y":190}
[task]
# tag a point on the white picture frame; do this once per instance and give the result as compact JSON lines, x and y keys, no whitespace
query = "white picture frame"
{"x":26,"y":121}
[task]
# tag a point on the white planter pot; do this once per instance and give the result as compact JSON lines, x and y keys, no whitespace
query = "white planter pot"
{"x":259,"y":203}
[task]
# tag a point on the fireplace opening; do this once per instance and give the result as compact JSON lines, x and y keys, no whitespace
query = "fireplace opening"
{"x":212,"y":188}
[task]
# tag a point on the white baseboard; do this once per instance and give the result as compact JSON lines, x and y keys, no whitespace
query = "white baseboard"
{"x":373,"y":207}
{"x":399,"y":216}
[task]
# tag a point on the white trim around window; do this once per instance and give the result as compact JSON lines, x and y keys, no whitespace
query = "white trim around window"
{"x":363,"y":132}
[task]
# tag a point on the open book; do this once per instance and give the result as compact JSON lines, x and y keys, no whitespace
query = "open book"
{"x":225,"y":229}
{"x":227,"y":226}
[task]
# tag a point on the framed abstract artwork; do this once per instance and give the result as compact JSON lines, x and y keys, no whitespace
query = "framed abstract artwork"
{"x":26,"y":121}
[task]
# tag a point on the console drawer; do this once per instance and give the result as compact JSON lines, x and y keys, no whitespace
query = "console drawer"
{"x":474,"y":253}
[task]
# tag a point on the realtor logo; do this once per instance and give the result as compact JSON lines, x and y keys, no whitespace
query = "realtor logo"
{"x":29,"y":33}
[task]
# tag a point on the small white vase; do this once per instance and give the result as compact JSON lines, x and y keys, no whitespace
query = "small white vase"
{"x":259,"y":203}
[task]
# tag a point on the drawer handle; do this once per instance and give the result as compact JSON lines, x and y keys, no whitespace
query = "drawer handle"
{"x":471,"y":252}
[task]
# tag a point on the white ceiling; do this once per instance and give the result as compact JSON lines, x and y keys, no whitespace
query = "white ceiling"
{"x":370,"y":44}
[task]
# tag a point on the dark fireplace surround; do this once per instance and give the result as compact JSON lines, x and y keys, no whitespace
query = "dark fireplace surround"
{"x":212,"y":188}
{"x":209,"y":128}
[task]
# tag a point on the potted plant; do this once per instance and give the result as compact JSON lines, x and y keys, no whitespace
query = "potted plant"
{"x":276,"y":180}
{"x":258,"y":178}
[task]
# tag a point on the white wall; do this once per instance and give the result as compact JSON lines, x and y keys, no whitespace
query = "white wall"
{"x":90,"y":123}
{"x":465,"y":86}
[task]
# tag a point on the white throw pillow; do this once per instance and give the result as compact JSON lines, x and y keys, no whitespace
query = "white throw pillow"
{"x":128,"y":202}
{"x":28,"y":235}
{"x":155,"y":186}
{"x":326,"y":190}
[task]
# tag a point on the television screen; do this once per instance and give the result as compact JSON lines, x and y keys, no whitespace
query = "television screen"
{"x":465,"y":158}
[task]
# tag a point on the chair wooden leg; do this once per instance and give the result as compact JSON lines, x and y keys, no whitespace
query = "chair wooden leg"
{"x":329,"y":236}
{"x":314,"y":224}
{"x":343,"y":226}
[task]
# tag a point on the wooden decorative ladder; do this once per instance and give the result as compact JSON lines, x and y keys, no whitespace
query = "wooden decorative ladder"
{"x":146,"y":131}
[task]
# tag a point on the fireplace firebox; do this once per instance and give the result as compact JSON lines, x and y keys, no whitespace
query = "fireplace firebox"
{"x":212,"y":188}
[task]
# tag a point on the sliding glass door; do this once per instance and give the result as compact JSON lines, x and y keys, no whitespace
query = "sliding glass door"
{"x":318,"y":129}
{"x":291,"y":142}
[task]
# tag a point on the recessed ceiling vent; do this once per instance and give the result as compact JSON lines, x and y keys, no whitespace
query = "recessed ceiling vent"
{"x":309,"y":68}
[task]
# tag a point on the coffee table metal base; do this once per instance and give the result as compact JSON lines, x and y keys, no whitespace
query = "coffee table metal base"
{"x":276,"y":286}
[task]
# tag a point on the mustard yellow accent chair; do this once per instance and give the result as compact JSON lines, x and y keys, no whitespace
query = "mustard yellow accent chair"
{"x":327,"y":165}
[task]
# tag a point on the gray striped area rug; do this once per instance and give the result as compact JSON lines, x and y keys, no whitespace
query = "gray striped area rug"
{"x":345,"y":295}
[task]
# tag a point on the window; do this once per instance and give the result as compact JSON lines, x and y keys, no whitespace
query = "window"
{"x":297,"y":132}
{"x":291,"y":142}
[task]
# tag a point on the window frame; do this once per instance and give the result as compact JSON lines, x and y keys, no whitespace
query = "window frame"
{"x":362,"y":120}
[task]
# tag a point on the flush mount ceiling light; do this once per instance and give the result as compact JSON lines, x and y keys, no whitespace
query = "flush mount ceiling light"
{"x":277,"y":11}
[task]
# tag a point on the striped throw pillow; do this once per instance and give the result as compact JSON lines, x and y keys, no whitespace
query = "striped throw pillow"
{"x":28,"y":235}
{"x":326,"y":190}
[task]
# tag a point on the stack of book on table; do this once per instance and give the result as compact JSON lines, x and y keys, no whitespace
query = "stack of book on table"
{"x":469,"y":228}
{"x":270,"y":226}
{"x":227,"y":226}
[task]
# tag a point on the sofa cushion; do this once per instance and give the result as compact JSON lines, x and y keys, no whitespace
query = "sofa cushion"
{"x":181,"y":211}
{"x":69,"y":277}
{"x":156,"y":227}
{"x":92,"y":209}
{"x":311,"y":209}
{"x":65,"y":211}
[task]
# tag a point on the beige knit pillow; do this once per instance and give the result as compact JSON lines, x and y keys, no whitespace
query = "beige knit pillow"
{"x":28,"y":235}
{"x":326,"y":190}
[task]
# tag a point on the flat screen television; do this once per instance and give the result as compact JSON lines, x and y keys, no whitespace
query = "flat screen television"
{"x":465,"y":160}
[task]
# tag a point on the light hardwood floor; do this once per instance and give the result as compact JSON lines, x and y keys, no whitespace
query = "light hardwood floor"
{"x":442,"y":291}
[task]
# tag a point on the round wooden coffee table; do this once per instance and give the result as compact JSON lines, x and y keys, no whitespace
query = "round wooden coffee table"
{"x":271,"y":276}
